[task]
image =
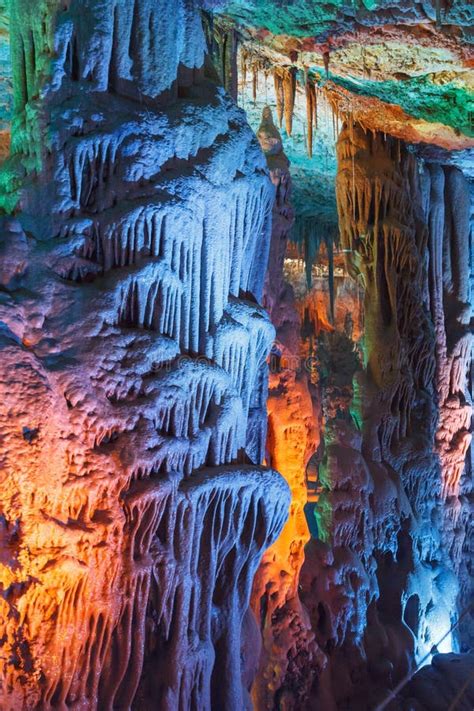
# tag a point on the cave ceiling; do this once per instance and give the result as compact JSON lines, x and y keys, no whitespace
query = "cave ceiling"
{"x":401,"y":68}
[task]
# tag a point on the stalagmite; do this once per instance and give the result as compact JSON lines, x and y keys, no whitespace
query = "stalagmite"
{"x":134,"y":374}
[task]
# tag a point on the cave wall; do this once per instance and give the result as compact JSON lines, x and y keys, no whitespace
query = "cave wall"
{"x":133,"y":508}
{"x":388,"y":214}
{"x":386,"y":573}
{"x":448,"y":203}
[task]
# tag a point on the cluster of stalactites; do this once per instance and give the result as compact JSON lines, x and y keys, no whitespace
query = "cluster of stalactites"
{"x":285,"y":91}
{"x":285,"y":80}
{"x":137,"y":52}
{"x":309,"y":233}
{"x":222,"y":44}
{"x":115,"y":568}
{"x":250,"y":62}
{"x":385,"y":237}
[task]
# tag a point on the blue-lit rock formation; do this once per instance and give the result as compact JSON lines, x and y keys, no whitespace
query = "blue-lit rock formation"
{"x":134,"y":376}
{"x":197,"y":190}
{"x":386,"y":578}
{"x":448,"y":200}
{"x":390,"y":220}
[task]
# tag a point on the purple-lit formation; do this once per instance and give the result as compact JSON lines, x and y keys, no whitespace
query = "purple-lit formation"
{"x":236,"y":348}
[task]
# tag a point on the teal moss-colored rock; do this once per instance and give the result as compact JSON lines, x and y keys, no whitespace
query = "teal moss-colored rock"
{"x":425,"y":97}
{"x":6,"y":88}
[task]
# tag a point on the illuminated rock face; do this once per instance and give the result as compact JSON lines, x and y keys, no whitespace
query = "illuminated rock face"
{"x":289,"y":657}
{"x":397,"y":67}
{"x":133,"y":511}
{"x":133,"y":371}
{"x":386,"y":573}
{"x":289,"y":593}
{"x":386,"y":576}
{"x":389,"y":243}
{"x":447,"y":202}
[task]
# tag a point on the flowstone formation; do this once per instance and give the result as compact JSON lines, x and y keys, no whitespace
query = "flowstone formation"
{"x":389,"y":220}
{"x":134,"y":376}
{"x":447,"y":201}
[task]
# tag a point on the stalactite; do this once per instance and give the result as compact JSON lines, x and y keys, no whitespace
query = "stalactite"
{"x":243,"y":65}
{"x":222,"y":43}
{"x":279,"y":93}
{"x":285,"y":92}
{"x":289,"y":92}
{"x":311,"y":112}
{"x":311,"y":232}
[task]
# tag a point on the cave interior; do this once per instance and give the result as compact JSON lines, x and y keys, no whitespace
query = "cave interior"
{"x":236,"y":340}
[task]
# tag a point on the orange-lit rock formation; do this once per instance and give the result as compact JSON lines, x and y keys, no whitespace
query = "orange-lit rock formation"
{"x":393,"y":120}
{"x":448,"y":206}
{"x":133,"y":368}
{"x":285,"y":89}
{"x":289,"y":658}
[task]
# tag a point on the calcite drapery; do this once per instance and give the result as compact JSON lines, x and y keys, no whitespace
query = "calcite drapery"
{"x":447,"y":203}
{"x":134,"y":352}
{"x":384,"y":231}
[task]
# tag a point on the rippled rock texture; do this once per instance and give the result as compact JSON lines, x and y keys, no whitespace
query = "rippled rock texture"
{"x":390,"y":218}
{"x":155,"y":257}
{"x":134,"y":376}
